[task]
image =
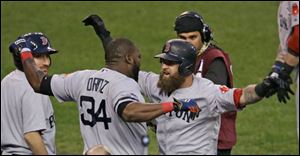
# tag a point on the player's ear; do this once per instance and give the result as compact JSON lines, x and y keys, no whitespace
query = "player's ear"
{"x":129,"y":59}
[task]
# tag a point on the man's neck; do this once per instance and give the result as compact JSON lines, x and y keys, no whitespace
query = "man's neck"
{"x":203,"y":48}
{"x":188,"y":81}
{"x":119,"y":67}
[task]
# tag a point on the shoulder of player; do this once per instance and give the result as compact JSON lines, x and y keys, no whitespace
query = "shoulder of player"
{"x":115,"y":77}
{"x":123,"y":85}
{"x":87,"y":71}
{"x":125,"y":81}
{"x":148,"y":74}
{"x":79,"y":72}
{"x":203,"y":82}
{"x":16,"y":80}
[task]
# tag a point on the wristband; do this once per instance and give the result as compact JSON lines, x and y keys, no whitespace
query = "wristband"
{"x":26,"y":55}
{"x":261,"y":90}
{"x":237,"y":96}
{"x":167,"y":107}
{"x":279,"y":66}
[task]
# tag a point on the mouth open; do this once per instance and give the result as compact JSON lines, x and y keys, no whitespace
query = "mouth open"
{"x":166,"y":74}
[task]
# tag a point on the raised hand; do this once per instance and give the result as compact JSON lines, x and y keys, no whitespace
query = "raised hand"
{"x":98,"y":24}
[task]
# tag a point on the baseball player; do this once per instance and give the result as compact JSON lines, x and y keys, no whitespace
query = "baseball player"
{"x":27,"y":118}
{"x":288,"y":52}
{"x":177,"y":133}
{"x":111,"y":108}
{"x":212,"y":63}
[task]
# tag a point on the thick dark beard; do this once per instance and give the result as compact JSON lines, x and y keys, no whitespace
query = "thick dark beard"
{"x":167,"y":86}
{"x":135,"y":71}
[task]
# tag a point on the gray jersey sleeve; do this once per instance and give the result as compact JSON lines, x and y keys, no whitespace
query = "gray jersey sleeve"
{"x":148,"y":84}
{"x":66,"y":87}
{"x":33,"y":112}
{"x":225,"y":99}
{"x":219,"y":98}
{"x":288,"y":17}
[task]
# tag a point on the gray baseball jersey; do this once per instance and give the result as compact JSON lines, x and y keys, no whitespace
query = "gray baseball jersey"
{"x":178,"y":133}
{"x":98,"y":95}
{"x":286,"y":20}
{"x":22,"y":111}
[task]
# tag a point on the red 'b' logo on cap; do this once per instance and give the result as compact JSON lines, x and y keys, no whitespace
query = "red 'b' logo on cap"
{"x":167,"y":47}
{"x":44,"y":40}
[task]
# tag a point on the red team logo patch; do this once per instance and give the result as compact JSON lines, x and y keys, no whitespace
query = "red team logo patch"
{"x":295,"y":9}
{"x":167,"y":47}
{"x":224,"y":89}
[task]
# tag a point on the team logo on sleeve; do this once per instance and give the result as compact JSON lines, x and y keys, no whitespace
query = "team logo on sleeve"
{"x":295,"y":9}
{"x":224,"y":89}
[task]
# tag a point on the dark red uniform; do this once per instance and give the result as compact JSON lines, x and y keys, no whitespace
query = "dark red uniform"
{"x":216,"y":66}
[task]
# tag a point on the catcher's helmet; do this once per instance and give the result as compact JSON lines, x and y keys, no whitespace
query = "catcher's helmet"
{"x":38,"y":41}
{"x":181,"y":51}
{"x":192,"y":21}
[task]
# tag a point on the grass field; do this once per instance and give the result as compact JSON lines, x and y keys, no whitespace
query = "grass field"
{"x":246,"y":30}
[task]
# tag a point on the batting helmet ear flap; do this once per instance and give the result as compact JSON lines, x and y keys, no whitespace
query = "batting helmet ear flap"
{"x":13,"y":48}
{"x":186,"y":68}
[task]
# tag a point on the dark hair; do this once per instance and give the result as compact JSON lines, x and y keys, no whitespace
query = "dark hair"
{"x":118,"y":48}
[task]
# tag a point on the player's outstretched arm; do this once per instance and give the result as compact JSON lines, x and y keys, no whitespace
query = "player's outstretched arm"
{"x":139,"y":112}
{"x":255,"y":92}
{"x":142,"y":112}
{"x":249,"y":95}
